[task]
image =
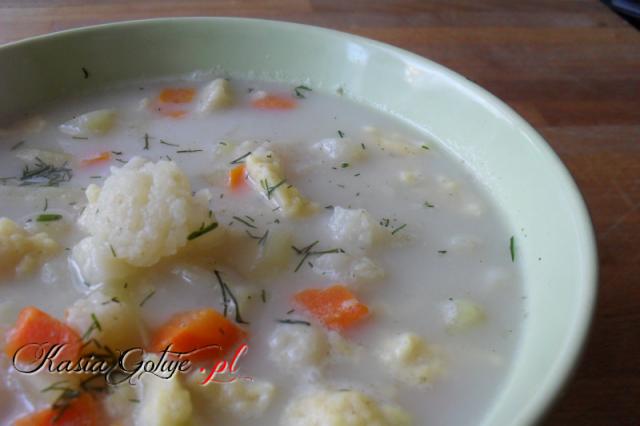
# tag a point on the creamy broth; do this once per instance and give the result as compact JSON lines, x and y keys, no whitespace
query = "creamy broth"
{"x":438,"y":264}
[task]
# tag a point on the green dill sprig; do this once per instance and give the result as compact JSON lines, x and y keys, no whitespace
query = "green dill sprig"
{"x":293,"y":321}
{"x":299,"y":91}
{"x":268,"y":190}
{"x":147,"y":297}
{"x":202,"y":230}
{"x":306,"y":252}
{"x":399,"y":228}
{"x":244,"y":222}
{"x":48,"y":217}
{"x":227,"y":296}
{"x":261,"y":239}
{"x":241,"y":158}
{"x":42,"y":174}
{"x":512,"y":248}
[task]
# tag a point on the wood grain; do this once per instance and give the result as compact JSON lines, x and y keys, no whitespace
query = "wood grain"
{"x":572,"y":68}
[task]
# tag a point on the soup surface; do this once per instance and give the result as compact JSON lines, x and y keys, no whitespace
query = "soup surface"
{"x":347,"y":269}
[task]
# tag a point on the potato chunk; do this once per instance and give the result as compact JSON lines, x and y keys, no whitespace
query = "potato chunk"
{"x":344,"y":150}
{"x":355,"y":229}
{"x":145,"y":211}
{"x":216,"y":95}
{"x":298,"y":347}
{"x":92,"y":123}
{"x":462,"y":314}
{"x":345,"y":268}
{"x":342,"y":408}
{"x":20,"y":251}
{"x":410,"y":360}
{"x":266,"y":175}
{"x":163,"y":402}
{"x":113,"y":321}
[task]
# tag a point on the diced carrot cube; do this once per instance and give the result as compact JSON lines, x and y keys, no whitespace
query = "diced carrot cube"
{"x":95,"y":159}
{"x":81,"y":411}
{"x":335,"y":307}
{"x":35,"y":328}
{"x":274,"y":102}
{"x":177,"y":95}
{"x":205,"y":334}
{"x":237,"y":177}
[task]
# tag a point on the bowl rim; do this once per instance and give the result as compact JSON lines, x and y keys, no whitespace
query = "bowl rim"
{"x":567,"y":361}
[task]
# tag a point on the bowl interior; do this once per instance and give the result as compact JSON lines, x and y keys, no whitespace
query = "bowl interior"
{"x":555,"y":244}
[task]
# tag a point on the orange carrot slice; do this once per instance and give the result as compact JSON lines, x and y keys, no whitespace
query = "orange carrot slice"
{"x":237,"y":177}
{"x":177,"y":95}
{"x":81,"y":411}
{"x":274,"y":102}
{"x":204,"y":333}
{"x":96,"y":159}
{"x":335,"y":307}
{"x":177,"y":114}
{"x":34,"y":328}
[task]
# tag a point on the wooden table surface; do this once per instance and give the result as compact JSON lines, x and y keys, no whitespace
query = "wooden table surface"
{"x":572,"y":68}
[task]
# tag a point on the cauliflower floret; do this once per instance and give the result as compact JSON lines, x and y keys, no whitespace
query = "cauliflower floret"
{"x":346,"y":268}
{"x":163,"y":402}
{"x":241,"y":398}
{"x":216,"y":95}
{"x":113,"y":321}
{"x":410,"y":360}
{"x":394,"y":143}
{"x":343,"y":150}
{"x":97,"y":264}
{"x":267,"y":177}
{"x":462,"y":314}
{"x":342,"y":408}
{"x":298,"y":346}
{"x":355,"y":229}
{"x":34,"y":156}
{"x":20,"y":251}
{"x":121,"y":402}
{"x":92,"y":123}
{"x":144,"y":211}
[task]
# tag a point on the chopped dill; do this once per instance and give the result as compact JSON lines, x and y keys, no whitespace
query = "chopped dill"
{"x":16,"y":146}
{"x":49,"y":217}
{"x":244,"y":222}
{"x":80,"y":138}
{"x":424,"y":147}
{"x":46,"y":204}
{"x":292,"y":321}
{"x":363,"y":146}
{"x":116,"y":152}
{"x":341,"y":134}
{"x":264,"y":183}
{"x":344,"y":165}
{"x":512,"y":248}
{"x":261,"y":239}
{"x":298,"y":90}
{"x":147,"y":297}
{"x":428,"y":204}
{"x":146,"y":141}
{"x":263,"y":296}
{"x":85,"y":72}
{"x":241,"y":158}
{"x":163,"y":142}
{"x":398,"y":228}
{"x":227,"y":296}
{"x":188,"y":151}
{"x":42,"y":174}
{"x":113,"y":251}
{"x":442,"y":251}
{"x":203,"y":230}
{"x":306,"y":252}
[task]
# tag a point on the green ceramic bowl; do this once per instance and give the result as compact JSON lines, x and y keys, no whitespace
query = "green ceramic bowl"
{"x":555,"y":242}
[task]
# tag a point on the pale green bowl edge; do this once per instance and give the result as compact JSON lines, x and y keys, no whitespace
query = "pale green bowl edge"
{"x":527,"y":394}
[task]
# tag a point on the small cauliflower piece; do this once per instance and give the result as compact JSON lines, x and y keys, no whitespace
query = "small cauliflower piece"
{"x":298,"y":347}
{"x":355,"y":229}
{"x":20,"y":251}
{"x":344,"y":150}
{"x":462,"y":314}
{"x":163,"y":402}
{"x":274,"y":253}
{"x":266,"y":175}
{"x":90,"y":124}
{"x":145,"y":211}
{"x":342,"y":408}
{"x":114,"y":322}
{"x":33,"y":156}
{"x":97,"y":264}
{"x":394,"y":143}
{"x":121,"y":402}
{"x":241,"y":398}
{"x":410,"y":360}
{"x":345,"y":268}
{"x":216,"y":95}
